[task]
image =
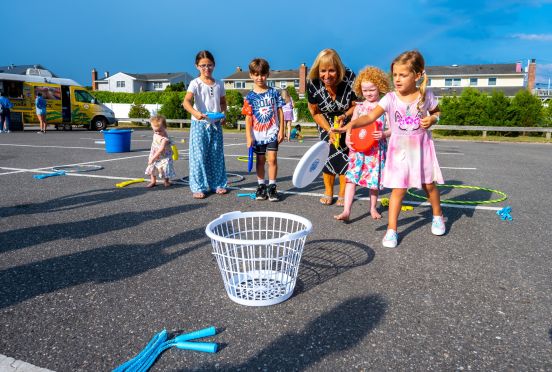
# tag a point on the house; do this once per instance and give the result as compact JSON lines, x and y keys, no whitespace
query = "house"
{"x":279,"y":79}
{"x":134,"y":83}
{"x":506,"y":77}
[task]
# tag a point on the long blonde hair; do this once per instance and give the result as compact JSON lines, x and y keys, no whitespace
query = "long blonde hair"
{"x":328,"y":56}
{"x":415,"y":61}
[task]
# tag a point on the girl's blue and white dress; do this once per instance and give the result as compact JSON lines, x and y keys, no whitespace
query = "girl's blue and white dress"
{"x":206,"y":157}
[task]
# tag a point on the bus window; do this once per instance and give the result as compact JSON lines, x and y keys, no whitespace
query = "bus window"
{"x":13,"y":89}
{"x":83,"y":96}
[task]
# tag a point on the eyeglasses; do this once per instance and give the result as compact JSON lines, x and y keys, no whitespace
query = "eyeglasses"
{"x":206,"y":66}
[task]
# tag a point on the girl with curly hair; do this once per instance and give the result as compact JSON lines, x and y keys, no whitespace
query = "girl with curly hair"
{"x":365,"y":167}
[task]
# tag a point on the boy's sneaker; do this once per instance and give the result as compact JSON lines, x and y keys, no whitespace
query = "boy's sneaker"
{"x":261,"y":192}
{"x":390,"y":239}
{"x":438,"y":225}
{"x":272,"y":194}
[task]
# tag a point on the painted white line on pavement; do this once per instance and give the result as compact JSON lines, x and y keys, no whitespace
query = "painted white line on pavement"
{"x":450,"y":153}
{"x":461,"y":168}
{"x":55,"y":147}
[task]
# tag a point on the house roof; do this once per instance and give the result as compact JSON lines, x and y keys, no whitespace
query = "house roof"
{"x":22,"y":69}
{"x":274,"y":75}
{"x":487,"y":69}
{"x":152,"y":76}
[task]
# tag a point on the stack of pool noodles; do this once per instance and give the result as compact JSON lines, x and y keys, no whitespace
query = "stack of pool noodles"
{"x":159,"y":343}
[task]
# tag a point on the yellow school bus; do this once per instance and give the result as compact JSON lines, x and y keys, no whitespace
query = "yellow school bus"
{"x":68,"y":103}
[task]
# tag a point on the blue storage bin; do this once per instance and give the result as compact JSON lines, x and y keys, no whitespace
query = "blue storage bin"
{"x":117,"y":140}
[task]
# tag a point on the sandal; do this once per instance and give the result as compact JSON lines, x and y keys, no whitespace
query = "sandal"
{"x":221,"y":191}
{"x":340,"y":201}
{"x":198,"y":195}
{"x":326,"y":199}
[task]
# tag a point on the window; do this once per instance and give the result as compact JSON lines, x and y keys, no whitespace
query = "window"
{"x":120,"y":84}
{"x":473,"y":82}
{"x":157,"y":85}
{"x":83,"y":96}
{"x":239,"y":84}
{"x":296,"y":84}
{"x":283,"y":84}
{"x":452,"y":82}
{"x":429,"y":82}
{"x":271,"y":83}
{"x":492,"y":81}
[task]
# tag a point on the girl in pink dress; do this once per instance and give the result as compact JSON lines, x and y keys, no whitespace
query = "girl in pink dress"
{"x":411,"y":157}
{"x":365,"y":168}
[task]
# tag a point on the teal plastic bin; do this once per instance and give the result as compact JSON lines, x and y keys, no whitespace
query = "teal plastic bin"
{"x":117,"y":140}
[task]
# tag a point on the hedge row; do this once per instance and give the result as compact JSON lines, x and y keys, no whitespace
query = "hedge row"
{"x":138,"y":98}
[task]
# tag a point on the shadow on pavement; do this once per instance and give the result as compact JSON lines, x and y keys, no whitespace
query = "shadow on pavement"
{"x":339,"y":329}
{"x":105,"y":264}
{"x":29,"y":236}
{"x":74,"y":201}
{"x":325,"y":259}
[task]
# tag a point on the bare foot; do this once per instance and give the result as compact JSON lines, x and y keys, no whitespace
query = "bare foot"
{"x":342,"y":217}
{"x":374,"y":213}
{"x":150,"y":185}
{"x":167,"y":183}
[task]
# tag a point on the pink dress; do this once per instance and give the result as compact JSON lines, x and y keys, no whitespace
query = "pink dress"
{"x":365,"y":169}
{"x":163,"y":167}
{"x":411,"y":157}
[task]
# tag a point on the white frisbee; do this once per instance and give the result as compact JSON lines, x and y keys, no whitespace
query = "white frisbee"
{"x":311,"y":164}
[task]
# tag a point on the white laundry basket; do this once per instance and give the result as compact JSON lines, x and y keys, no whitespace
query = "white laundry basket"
{"x":258,"y":254}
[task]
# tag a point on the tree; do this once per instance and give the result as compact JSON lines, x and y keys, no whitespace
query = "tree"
{"x":292,"y":93}
{"x":138,"y":111}
{"x":176,"y":87}
{"x":172,"y":107}
{"x":498,"y":110}
{"x":471,"y":108}
{"x":234,"y":98}
{"x":527,"y":110}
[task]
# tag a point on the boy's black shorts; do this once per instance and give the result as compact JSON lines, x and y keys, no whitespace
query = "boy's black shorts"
{"x":262,"y":149}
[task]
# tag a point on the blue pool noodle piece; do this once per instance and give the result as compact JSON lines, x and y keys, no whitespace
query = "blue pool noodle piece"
{"x":205,"y":332}
{"x":250,"y":160}
{"x":46,"y":175}
{"x":215,"y":115}
{"x":205,"y":347}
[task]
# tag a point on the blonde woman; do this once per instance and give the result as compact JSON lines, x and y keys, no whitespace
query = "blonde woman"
{"x":330,"y":94}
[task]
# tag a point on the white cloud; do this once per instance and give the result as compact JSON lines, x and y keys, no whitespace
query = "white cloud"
{"x":536,"y":37}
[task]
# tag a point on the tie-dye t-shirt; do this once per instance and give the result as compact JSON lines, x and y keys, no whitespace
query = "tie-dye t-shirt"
{"x":263,"y":109}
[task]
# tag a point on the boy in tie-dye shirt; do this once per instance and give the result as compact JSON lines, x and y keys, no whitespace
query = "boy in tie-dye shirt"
{"x":264,"y":123}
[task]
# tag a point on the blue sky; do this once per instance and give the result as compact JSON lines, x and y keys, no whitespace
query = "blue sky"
{"x":71,"y":37}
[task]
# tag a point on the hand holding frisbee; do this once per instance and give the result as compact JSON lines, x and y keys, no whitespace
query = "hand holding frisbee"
{"x":311,"y":164}
{"x":215,"y":116}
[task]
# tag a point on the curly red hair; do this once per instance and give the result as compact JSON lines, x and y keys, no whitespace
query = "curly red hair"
{"x":374,"y":75}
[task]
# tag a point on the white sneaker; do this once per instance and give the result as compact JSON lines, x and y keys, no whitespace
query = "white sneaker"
{"x":390,"y":239}
{"x":6,"y":131}
{"x":438,"y":225}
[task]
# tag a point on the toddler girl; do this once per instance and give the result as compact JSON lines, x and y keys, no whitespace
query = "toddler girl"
{"x":206,"y":94}
{"x":288,"y":112}
{"x":365,"y":168}
{"x":411,"y":157}
{"x":160,"y":162}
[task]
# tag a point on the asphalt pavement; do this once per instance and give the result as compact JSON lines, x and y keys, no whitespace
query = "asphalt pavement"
{"x":90,"y":272}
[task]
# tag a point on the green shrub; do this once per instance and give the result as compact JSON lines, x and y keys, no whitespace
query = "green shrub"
{"x":234,"y":98}
{"x":172,"y":108}
{"x":138,"y":111}
{"x":303,"y":112}
{"x":292,"y":93}
{"x":233,"y":115}
{"x":139,"y":98}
